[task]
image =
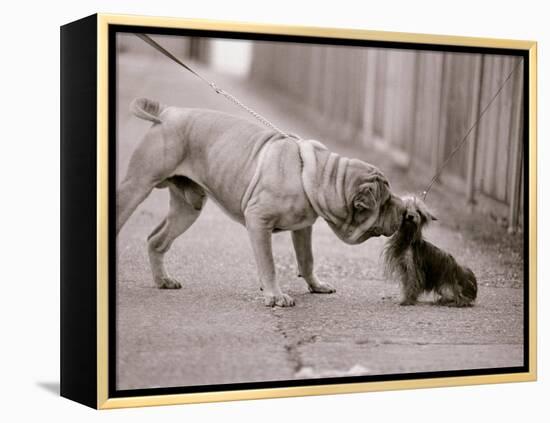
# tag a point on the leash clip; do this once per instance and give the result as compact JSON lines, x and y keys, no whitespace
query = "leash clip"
{"x":215,"y":88}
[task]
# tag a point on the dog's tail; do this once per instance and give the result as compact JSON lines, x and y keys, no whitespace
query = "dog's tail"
{"x":147,"y":109}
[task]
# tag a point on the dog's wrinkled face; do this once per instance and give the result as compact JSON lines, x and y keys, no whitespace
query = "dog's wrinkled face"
{"x":371,"y":208}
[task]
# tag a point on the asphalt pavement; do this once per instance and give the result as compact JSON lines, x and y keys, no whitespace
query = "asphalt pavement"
{"x":216,"y":330}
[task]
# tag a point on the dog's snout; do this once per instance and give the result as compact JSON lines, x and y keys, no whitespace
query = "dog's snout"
{"x":409,"y":216}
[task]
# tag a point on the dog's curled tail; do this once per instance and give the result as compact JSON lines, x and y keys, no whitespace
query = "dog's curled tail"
{"x":147,"y":109}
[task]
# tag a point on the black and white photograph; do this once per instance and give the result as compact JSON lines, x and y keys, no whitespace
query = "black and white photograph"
{"x":302,"y":212}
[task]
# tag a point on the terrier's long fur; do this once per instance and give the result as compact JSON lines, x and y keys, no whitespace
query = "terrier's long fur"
{"x":423,"y":267}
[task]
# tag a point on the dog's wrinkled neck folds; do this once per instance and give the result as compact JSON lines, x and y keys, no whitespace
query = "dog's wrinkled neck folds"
{"x":312,"y":188}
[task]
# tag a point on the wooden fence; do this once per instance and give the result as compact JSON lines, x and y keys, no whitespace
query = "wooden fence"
{"x":417,"y":105}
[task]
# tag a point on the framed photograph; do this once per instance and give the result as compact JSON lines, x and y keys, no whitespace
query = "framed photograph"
{"x":257,"y":211}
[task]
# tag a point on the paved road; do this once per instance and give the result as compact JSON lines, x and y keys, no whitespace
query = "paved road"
{"x":216,"y":329}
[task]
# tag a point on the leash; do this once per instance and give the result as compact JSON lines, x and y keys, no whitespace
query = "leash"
{"x":216,"y":89}
{"x":465,"y":138}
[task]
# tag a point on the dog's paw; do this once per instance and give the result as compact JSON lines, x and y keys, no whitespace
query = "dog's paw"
{"x":442,"y":301}
{"x":281,"y":300}
{"x":454,"y":303}
{"x":167,"y":283}
{"x":407,"y":302}
{"x":321,"y":288}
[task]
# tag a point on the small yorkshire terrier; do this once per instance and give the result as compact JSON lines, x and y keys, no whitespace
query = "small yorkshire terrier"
{"x":423,"y":267}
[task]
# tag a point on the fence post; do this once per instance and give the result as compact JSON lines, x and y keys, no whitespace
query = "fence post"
{"x":517,"y":155}
{"x":437,"y":147}
{"x":370,"y":96}
{"x":472,"y":148}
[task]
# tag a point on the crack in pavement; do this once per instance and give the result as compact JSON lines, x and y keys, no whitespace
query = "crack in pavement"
{"x":292,"y":347}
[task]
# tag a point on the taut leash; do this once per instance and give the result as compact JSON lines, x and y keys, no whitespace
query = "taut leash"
{"x":212,"y":85}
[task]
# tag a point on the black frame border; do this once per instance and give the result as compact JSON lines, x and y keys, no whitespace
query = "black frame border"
{"x":78,"y":211}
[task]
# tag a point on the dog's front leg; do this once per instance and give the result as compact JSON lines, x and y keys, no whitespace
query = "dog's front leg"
{"x":304,"y":255}
{"x":260,"y":238}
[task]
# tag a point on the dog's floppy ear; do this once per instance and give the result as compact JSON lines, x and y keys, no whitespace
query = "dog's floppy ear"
{"x":370,"y":194}
{"x":366,"y":196}
{"x":426,"y":214}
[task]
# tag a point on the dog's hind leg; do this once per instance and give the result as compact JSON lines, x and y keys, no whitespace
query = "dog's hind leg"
{"x":304,"y":255}
{"x":149,"y":165}
{"x":186,"y":202}
{"x":130,"y":194}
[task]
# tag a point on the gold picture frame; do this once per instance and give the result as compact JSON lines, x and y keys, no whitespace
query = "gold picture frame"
{"x":72,"y":372}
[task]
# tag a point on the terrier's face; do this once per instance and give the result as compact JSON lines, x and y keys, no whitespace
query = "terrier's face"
{"x":415,"y":215}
